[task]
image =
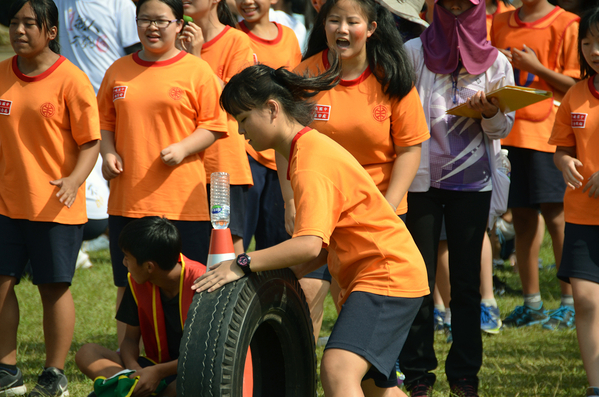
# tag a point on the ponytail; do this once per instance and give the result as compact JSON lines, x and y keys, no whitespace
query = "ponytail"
{"x":225,"y":16}
{"x":252,"y":87}
{"x":385,"y":52}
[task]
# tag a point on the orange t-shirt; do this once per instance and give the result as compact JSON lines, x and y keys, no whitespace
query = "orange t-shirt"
{"x":370,"y":248}
{"x":554,"y":39}
{"x":149,"y":106}
{"x":284,"y":51}
{"x":228,"y":54}
{"x":377,"y":124}
{"x":577,"y":124}
{"x":43,"y":121}
{"x":501,"y":7}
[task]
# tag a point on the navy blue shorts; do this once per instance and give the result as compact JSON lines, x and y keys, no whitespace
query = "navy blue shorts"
{"x":50,"y":247}
{"x":580,"y":258}
{"x":375,"y":327}
{"x":195,"y":236}
{"x":322,"y":273}
{"x":534,"y":180}
{"x":237,"y":201}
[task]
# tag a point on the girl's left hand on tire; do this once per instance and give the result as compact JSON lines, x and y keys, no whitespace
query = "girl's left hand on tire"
{"x":218,"y":275}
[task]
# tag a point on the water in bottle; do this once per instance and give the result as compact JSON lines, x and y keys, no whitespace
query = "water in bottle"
{"x":503,"y":163}
{"x":219,"y":200}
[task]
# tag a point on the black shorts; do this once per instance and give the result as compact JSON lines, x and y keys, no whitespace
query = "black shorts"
{"x":237,"y":201}
{"x":375,"y":327}
{"x":195,"y":236}
{"x":51,"y":248}
{"x":322,"y":273}
{"x":534,"y":180}
{"x":580,"y":257}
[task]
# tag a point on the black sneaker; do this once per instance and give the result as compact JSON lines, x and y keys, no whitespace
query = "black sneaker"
{"x":421,"y":390}
{"x":463,"y":388}
{"x":12,"y":385}
{"x":50,"y":383}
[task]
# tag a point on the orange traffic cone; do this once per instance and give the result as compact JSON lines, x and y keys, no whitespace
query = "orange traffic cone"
{"x":221,"y":247}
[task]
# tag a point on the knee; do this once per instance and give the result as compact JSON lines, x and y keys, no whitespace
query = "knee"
{"x":87,"y":354}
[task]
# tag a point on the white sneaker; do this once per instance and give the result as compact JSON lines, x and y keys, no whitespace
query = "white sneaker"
{"x":83,"y":261}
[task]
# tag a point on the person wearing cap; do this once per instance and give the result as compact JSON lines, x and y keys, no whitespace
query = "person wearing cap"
{"x":454,"y":65}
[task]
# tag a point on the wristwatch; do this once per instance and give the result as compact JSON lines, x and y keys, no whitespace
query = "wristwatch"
{"x":243,"y":261}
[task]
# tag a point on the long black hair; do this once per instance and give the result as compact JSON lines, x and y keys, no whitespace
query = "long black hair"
{"x":588,"y":23}
{"x":253,"y":86}
{"x":225,"y":16}
{"x":386,"y":55}
{"x":46,"y":17}
{"x":175,"y":5}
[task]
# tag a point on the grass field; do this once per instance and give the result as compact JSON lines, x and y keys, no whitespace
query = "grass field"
{"x":519,"y":362}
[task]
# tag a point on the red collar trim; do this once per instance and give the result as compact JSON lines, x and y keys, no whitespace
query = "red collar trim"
{"x":592,"y":86}
{"x":41,"y":76}
{"x":295,"y":138}
{"x":215,"y":39}
{"x":538,"y":21}
{"x":260,"y":39}
{"x":157,"y":64}
{"x":346,"y":83}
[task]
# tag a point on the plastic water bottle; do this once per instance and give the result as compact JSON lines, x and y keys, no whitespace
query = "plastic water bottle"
{"x":503,"y":163}
{"x":220,"y":209}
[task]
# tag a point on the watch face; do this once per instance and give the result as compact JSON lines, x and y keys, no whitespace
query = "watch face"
{"x":242,"y":260}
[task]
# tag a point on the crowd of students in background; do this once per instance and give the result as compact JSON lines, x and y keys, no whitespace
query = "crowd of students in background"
{"x":158,"y":120}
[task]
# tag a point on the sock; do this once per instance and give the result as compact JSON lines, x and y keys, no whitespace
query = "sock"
{"x":441,"y":308}
{"x":489,"y":302}
{"x":11,"y":369}
{"x":447,"y":319}
{"x":592,"y":391}
{"x":61,"y":370}
{"x":533,"y":301}
{"x":568,"y":300}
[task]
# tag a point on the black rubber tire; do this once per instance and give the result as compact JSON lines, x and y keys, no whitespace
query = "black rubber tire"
{"x":266,"y":311}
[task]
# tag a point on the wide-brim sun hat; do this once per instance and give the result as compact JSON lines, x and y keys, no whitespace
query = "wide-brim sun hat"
{"x":406,"y":9}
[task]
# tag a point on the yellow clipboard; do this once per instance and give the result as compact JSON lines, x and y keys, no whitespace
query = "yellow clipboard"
{"x":510,"y":97}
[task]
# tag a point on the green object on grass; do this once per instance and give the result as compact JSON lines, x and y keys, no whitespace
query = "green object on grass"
{"x":120,"y":385}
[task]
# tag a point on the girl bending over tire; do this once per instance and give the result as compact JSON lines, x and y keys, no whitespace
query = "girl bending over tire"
{"x":343,"y":220}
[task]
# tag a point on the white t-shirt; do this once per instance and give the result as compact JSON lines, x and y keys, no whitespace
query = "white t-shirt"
{"x":94,"y":33}
{"x":96,"y":193}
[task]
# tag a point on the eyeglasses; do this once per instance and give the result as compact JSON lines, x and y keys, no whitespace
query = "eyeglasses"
{"x":160,"y":23}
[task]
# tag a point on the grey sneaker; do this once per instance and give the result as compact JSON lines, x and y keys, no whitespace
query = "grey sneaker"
{"x":50,"y":383}
{"x":524,"y":316}
{"x":12,"y":385}
{"x":561,"y":319}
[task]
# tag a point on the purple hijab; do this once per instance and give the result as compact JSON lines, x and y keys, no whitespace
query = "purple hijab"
{"x":451,"y":38}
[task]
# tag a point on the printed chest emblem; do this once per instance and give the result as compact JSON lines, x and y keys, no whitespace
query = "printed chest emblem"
{"x":175,"y":93}
{"x":379,"y":113}
{"x":119,"y":92}
{"x":47,"y":110}
{"x":322,"y":112}
{"x":578,"y":120}
{"x":5,"y":107}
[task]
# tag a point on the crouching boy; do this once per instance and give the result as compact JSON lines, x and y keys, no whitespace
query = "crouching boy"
{"x":154,"y":308}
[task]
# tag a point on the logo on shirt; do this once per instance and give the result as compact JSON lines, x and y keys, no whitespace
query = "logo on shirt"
{"x":255,"y":58}
{"x":322,"y":112}
{"x":47,"y":110}
{"x":5,"y":107}
{"x":119,"y":92}
{"x":379,"y":113}
{"x":579,"y":120}
{"x":176,"y":93}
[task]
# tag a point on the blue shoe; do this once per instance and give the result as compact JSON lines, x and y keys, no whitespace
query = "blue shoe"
{"x":561,"y":319}
{"x":523,"y":316}
{"x":592,"y":391}
{"x":490,"y":320}
{"x":447,"y":330}
{"x":439,"y":317}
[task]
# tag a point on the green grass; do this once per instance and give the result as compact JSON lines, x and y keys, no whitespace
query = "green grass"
{"x":518,"y":362}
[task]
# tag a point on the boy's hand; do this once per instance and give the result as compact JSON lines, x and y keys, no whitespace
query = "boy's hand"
{"x":479,"y":102}
{"x":173,"y":154}
{"x":191,"y":39}
{"x":526,"y":60}
{"x":571,"y":175}
{"x":592,"y":185}
{"x":112,"y":166}
{"x":68,"y":190}
{"x":220,"y":274}
{"x":507,"y":53}
{"x":149,"y":379}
